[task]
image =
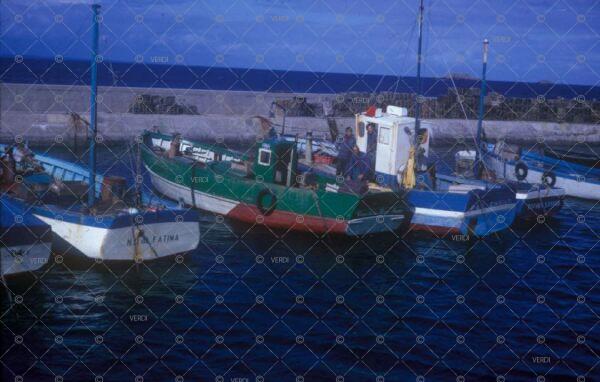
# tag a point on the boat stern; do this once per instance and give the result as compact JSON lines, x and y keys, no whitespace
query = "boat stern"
{"x":151,"y":234}
{"x":536,"y":200}
{"x":489,"y":211}
{"x":379,"y":212}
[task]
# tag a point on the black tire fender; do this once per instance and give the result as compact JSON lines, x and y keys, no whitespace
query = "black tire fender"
{"x":521,"y":171}
{"x":266,"y":210}
{"x":549,"y":178}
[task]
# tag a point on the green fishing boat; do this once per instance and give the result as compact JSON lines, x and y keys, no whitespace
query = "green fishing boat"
{"x":268,"y":187}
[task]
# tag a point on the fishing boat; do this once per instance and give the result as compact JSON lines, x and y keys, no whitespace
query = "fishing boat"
{"x":116,"y":227}
{"x":25,"y":241}
{"x":534,"y":200}
{"x":401,"y":163}
{"x":99,"y":217}
{"x":440,"y":206}
{"x":557,"y":171}
{"x":267,"y":188}
{"x":516,"y":164}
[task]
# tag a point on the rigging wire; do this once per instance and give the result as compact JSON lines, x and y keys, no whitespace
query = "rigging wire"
{"x":459,"y":98}
{"x":410,"y":37}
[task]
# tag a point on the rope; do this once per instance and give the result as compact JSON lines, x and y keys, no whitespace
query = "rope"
{"x":136,"y":237}
{"x":192,"y":185}
{"x":462,"y":107}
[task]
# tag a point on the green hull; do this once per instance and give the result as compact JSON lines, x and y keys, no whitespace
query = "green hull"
{"x":224,"y":187}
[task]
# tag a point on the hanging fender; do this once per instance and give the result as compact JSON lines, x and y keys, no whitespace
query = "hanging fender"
{"x":521,"y":171}
{"x":549,"y":178}
{"x":266,"y":210}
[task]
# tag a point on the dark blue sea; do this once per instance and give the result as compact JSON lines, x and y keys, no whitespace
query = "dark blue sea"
{"x":253,"y":305}
{"x":71,"y":72}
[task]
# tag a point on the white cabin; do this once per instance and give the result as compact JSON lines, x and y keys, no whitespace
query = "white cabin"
{"x":395,"y":134}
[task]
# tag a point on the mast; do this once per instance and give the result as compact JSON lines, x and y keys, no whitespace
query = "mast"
{"x":477,"y":166}
{"x":409,"y":178}
{"x":419,"y":58}
{"x":93,"y":111}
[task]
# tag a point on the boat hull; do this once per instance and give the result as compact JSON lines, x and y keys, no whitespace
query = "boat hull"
{"x":157,"y":234}
{"x":24,"y":258}
{"x":278,"y":219}
{"x":539,"y":202}
{"x":533,"y":200}
{"x":574,"y":184}
{"x":443,"y":213}
{"x":25,"y":242}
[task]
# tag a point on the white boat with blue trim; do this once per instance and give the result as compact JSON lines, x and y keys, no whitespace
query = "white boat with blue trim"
{"x":514,"y":163}
{"x":115,"y":227}
{"x":98,"y":217}
{"x":441,"y":207}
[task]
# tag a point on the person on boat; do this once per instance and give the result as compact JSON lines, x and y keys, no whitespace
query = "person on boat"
{"x":272,"y":133}
{"x":371,"y":147}
{"x":345,"y":151}
{"x":174,"y":147}
{"x":25,"y":158}
{"x":8,"y":168}
{"x":358,"y":171}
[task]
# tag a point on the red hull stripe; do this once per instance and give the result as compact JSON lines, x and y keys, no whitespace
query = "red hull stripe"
{"x":287,"y":220}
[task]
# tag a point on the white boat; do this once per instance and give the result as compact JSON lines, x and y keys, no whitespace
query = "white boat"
{"x":25,"y":241}
{"x":97,"y":216}
{"x":115,"y":231}
{"x":534,"y":199}
{"x":518,"y":165}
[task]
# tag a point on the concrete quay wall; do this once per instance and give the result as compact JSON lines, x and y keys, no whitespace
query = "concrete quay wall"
{"x":40,"y":113}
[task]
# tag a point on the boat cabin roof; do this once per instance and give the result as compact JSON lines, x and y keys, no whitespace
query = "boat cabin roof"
{"x":393,"y":116}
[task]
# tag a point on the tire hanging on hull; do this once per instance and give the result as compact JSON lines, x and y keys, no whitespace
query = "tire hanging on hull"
{"x":521,"y":171}
{"x":266,"y":210}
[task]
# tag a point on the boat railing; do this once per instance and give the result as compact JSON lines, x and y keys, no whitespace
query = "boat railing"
{"x":561,"y":165}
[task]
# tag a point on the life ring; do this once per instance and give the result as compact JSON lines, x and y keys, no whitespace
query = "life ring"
{"x":521,"y":171}
{"x":266,"y":210}
{"x":549,"y":178}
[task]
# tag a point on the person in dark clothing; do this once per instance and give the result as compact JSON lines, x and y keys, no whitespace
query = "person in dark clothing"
{"x":345,"y":151}
{"x":371,"y":147}
{"x":359,"y":167}
{"x":357,"y":172}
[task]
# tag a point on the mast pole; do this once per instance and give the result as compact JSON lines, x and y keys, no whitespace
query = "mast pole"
{"x":482,"y":94}
{"x":93,"y":110}
{"x":419,"y":59}
{"x":409,"y":176}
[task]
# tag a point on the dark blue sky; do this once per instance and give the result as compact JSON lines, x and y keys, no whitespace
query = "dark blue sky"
{"x":557,"y":41}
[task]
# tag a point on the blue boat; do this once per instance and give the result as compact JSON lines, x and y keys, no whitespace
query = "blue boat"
{"x":534,"y":201}
{"x":25,"y":241}
{"x":439,"y":206}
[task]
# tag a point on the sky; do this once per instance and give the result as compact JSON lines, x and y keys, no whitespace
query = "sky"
{"x":530,"y":40}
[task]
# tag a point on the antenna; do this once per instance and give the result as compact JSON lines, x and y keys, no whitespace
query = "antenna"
{"x":477,"y":166}
{"x":93,"y":111}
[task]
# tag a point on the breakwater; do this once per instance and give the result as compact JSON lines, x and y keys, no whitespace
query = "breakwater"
{"x":46,"y":113}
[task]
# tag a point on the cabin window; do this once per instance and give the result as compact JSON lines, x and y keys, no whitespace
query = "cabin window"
{"x":361,"y":129}
{"x":384,"y":135}
{"x":264,"y":157}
